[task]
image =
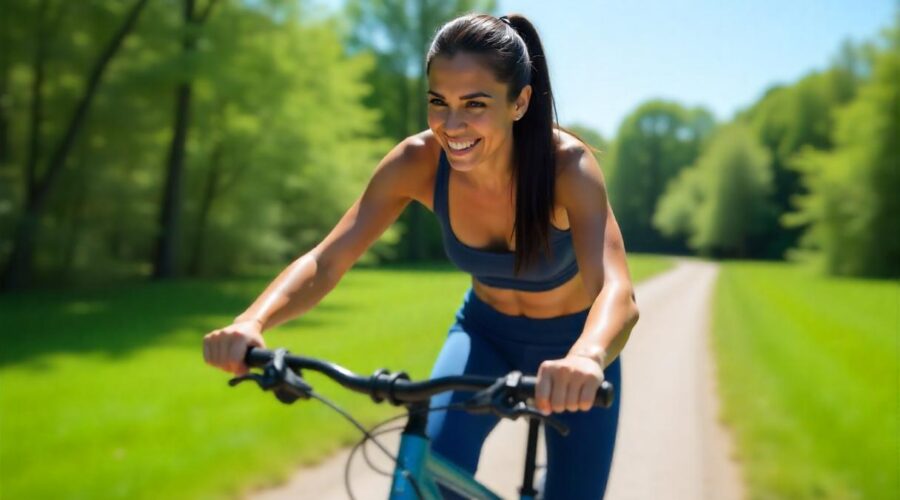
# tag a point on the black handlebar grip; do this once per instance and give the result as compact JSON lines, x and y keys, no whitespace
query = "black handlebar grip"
{"x":604,"y":398}
{"x":257,"y":356}
{"x":606,"y":394}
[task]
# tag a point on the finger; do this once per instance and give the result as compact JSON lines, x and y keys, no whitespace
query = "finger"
{"x":209,"y":345}
{"x":542,"y":391}
{"x":573,"y":394}
{"x":228,"y":353}
{"x":236,"y":353}
{"x":588,"y":394}
{"x":219,"y":346}
{"x":212,"y":340}
{"x":215,"y":347}
{"x":560,"y":387}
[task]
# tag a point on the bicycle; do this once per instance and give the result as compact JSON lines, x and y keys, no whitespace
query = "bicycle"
{"x":418,"y":471}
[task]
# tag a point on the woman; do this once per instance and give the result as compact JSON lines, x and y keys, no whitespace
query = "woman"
{"x":551,"y":293}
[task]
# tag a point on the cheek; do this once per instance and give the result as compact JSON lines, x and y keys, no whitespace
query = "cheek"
{"x":495,"y":125}
{"x":489,"y":123}
{"x":436,"y":118}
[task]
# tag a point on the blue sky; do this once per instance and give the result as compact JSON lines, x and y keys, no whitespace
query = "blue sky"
{"x":608,"y":56}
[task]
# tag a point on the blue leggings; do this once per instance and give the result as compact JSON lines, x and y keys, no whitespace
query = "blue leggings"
{"x":484,"y":341}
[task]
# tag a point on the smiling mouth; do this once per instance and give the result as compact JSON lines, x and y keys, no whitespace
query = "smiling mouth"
{"x":462,"y":146}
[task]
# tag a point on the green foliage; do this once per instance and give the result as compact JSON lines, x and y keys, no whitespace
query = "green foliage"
{"x":808,"y":377}
{"x":852,"y":206}
{"x":653,"y":145}
{"x":792,"y":117}
{"x":280,"y":141}
{"x":286,"y":145}
{"x":721,"y":203}
{"x":108,"y":396}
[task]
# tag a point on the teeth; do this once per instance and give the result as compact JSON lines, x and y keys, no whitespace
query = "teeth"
{"x":460,"y":145}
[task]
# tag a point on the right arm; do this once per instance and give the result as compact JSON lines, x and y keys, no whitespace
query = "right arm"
{"x":297,"y":289}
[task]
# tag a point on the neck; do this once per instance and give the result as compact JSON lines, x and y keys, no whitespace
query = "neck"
{"x":494,"y":173}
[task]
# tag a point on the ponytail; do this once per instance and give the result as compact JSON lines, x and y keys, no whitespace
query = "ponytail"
{"x":534,"y":154}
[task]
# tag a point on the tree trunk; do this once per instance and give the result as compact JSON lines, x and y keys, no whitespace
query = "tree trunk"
{"x":18,"y":269}
{"x":37,"y":104}
{"x":168,"y":240}
{"x":170,"y":215}
{"x":74,"y":230}
{"x":210,"y":192}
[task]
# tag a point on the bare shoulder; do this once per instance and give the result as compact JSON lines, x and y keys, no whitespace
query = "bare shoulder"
{"x":409,"y":167}
{"x":577,"y":170}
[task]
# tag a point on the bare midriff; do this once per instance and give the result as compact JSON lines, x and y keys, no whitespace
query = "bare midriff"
{"x":568,"y":298}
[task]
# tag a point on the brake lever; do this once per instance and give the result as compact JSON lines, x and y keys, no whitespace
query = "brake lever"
{"x":277,"y":377}
{"x":250,"y":376}
{"x":501,"y":400}
{"x":522,"y":409}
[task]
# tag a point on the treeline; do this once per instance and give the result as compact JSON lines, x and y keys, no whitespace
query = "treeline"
{"x":809,"y":171}
{"x":195,"y":137}
{"x":170,"y":138}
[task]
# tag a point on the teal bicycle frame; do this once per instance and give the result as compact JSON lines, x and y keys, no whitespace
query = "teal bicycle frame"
{"x":419,"y":471}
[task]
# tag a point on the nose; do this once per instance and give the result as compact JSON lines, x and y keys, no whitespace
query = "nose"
{"x":454,"y":121}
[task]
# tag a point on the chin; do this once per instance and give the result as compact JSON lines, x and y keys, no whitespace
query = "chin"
{"x":461,"y":164}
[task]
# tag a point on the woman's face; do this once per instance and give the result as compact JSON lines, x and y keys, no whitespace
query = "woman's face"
{"x":469,"y":113}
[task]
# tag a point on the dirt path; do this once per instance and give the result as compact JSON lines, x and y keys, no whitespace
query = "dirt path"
{"x":670,"y":444}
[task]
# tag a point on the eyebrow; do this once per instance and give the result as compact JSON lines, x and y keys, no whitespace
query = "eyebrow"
{"x":473,"y":95}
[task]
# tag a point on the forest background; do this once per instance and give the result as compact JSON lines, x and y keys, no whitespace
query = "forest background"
{"x":209,"y":138}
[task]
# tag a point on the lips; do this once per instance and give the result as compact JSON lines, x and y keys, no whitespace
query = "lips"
{"x":462,"y":146}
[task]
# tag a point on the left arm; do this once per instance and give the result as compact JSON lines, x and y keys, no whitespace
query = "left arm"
{"x":570,"y":383}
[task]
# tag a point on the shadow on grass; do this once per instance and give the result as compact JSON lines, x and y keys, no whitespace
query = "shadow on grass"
{"x":117,"y":321}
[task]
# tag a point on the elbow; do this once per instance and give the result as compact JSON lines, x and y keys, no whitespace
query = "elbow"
{"x":633,"y":312}
{"x":326,"y":268}
{"x":634,"y":315}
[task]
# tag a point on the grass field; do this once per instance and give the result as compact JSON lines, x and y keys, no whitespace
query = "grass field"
{"x":809,"y":375}
{"x":104,"y":394}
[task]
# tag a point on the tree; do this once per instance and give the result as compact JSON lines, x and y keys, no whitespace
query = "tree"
{"x":39,"y":186}
{"x":653,"y":145}
{"x":852,"y":207}
{"x":164,"y":263}
{"x":286,"y":143}
{"x":722,"y":201}
{"x":791,"y":117}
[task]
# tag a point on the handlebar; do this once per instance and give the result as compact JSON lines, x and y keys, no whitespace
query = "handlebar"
{"x":398,"y":389}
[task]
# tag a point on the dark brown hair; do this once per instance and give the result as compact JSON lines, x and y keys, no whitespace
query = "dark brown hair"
{"x":513,"y":51}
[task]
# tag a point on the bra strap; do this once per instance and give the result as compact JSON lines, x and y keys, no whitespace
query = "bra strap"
{"x":441,"y":182}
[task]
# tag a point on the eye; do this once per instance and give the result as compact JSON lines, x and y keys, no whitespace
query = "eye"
{"x":435,"y":101}
{"x":476,"y":104}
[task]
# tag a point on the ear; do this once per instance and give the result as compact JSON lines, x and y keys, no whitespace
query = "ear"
{"x":520,"y":106}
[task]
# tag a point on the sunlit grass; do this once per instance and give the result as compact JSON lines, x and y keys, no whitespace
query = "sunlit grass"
{"x":104,"y":394}
{"x":809,"y":370}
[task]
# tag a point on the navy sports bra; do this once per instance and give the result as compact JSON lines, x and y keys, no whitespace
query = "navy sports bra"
{"x":496,"y":269}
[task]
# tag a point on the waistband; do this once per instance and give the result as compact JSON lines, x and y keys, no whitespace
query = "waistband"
{"x":476,"y":314}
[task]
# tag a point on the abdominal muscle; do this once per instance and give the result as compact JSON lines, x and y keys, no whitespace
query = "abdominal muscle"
{"x":568,"y":298}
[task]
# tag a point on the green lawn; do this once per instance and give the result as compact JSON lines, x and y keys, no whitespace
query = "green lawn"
{"x":809,"y":375}
{"x":104,"y":394}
